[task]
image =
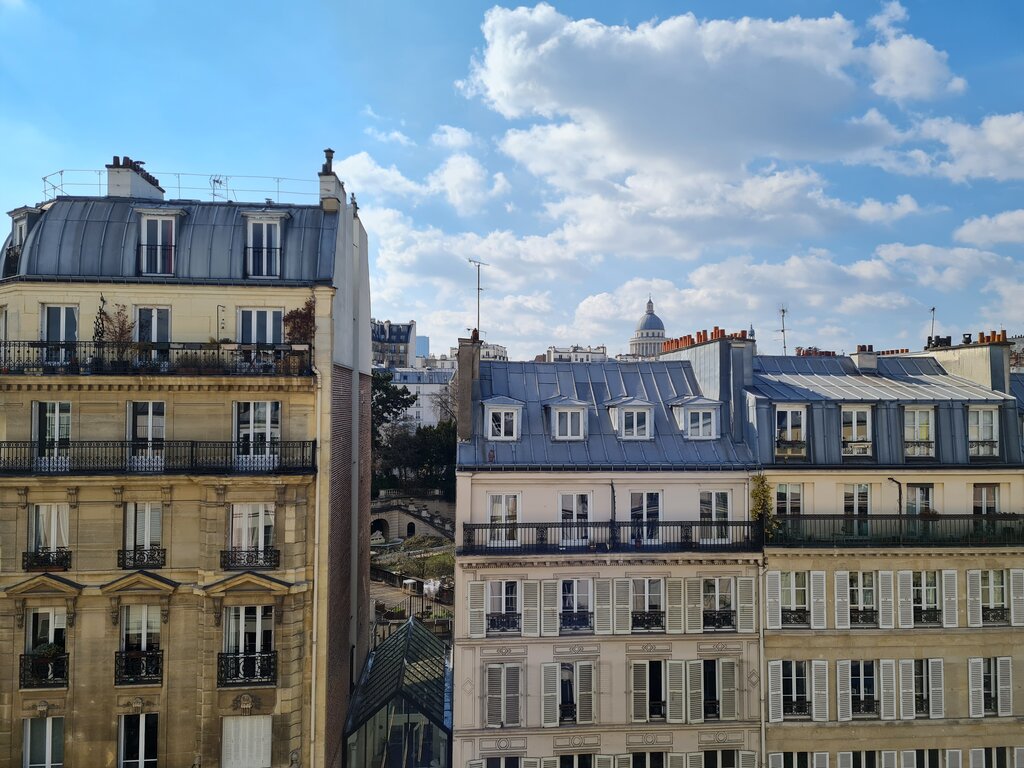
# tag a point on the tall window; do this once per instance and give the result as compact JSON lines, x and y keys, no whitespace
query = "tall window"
{"x":575,"y":512}
{"x":645,"y":514}
{"x":264,"y":250}
{"x":138,"y":742}
{"x":926,"y":598}
{"x":856,"y":503}
{"x":504,"y":514}
{"x":921,"y":687}
{"x":153,"y":326}
{"x":157,"y":257}
{"x":863,"y":604}
{"x":44,"y":742}
{"x":569,"y":423}
{"x":648,"y":597}
{"x":789,"y":498}
{"x":576,"y":607}
{"x":856,"y":430}
{"x":993,"y":596}
{"x":503,"y":606}
{"x":60,"y":332}
{"x":917,"y":432}
{"x":48,"y":527}
{"x":789,"y":431}
{"x":248,"y":645}
{"x":252,"y":527}
{"x":53,"y":430}
{"x":140,"y":628}
{"x":795,"y":702}
{"x":714,"y":516}
{"x":862,"y":688}
{"x":502,"y":423}
{"x":794,"y":598}
{"x":920,"y":498}
{"x":143,"y":523}
{"x":718,"y":603}
{"x":983,"y":432}
{"x":146,"y":430}
{"x":986,"y":498}
{"x":260,"y":326}
{"x":257,"y":427}
{"x":46,"y":626}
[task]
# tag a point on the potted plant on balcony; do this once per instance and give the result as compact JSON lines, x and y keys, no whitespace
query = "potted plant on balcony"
{"x":48,"y":650}
{"x":119,"y":332}
{"x":299,"y":330}
{"x":761,"y":506}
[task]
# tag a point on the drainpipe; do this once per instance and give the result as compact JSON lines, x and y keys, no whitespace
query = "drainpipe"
{"x":318,"y":410}
{"x":762,"y":662}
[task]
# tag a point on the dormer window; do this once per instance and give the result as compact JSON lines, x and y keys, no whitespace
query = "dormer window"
{"x":503,"y":423}
{"x":156,"y":245}
{"x":263,"y":243}
{"x":982,"y":432}
{"x":568,"y":423}
{"x":20,"y":229}
{"x":636,"y":423}
{"x":856,"y":423}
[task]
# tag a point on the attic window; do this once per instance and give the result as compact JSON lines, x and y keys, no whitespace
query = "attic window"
{"x":156,"y":245}
{"x":263,"y":243}
{"x":698,"y":423}
{"x":636,"y":423}
{"x":568,"y":423}
{"x":502,"y":423}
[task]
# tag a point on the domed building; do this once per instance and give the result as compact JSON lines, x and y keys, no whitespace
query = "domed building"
{"x":649,"y":335}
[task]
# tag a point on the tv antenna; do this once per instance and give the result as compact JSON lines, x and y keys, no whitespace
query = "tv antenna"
{"x":782,"y":314}
{"x":933,"y":320}
{"x":477,"y":263}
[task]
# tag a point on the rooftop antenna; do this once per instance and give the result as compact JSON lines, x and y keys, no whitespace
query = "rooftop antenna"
{"x":933,"y":321}
{"x":477,"y":263}
{"x":782,"y":313}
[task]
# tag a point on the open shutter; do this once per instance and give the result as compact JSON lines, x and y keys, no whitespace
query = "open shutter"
{"x":936,"y":690}
{"x":603,"y":761}
{"x":531,"y":609}
{"x":476,"y":594}
{"x":974,"y":599}
{"x":513,"y":694}
{"x":675,"y":710}
{"x":842,"y":579}
{"x":952,"y":758}
{"x":694,"y":606}
{"x":638,"y":679}
{"x":819,"y":760}
{"x":727,"y":669}
{"x":773,"y":600}
{"x":532,"y":762}
{"x":623,"y":761}
{"x":908,"y":759}
{"x":774,"y":691}
{"x":817,"y":582}
{"x":474,"y":764}
{"x":549,"y":601}
{"x":888,"y":758}
{"x":674,"y":606}
{"x":585,"y":689}
{"x":694,"y":760}
{"x":977,"y":758}
{"x":844,"y":759}
{"x":1018,"y":757}
{"x":623,"y":606}
{"x":1004,"y":694}
{"x":906,"y":689}
{"x":495,"y":684}
{"x":550,"y":681}
{"x":748,"y":759}
{"x":1017,"y":597}
{"x":677,"y":760}
{"x":949,"y":599}
{"x":603,"y":608}
{"x":549,"y":762}
{"x":819,"y":691}
{"x":887,"y":686}
{"x":844,"y":695}
{"x":885,"y":600}
{"x":905,"y":598}
{"x":975,"y":688}
{"x":776,"y":760}
{"x":745,"y":605}
{"x":695,"y":691}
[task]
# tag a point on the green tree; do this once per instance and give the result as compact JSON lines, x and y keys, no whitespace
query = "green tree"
{"x":387,"y":402}
{"x":761,"y":507}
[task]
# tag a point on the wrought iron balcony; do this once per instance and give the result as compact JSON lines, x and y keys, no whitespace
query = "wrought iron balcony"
{"x":796,"y":708}
{"x":156,"y":358}
{"x":252,"y":557}
{"x":712,"y":709}
{"x":130,"y":559}
{"x":866,"y":707}
{"x":989,"y":703}
{"x":921,"y":706}
{"x":857,"y":448}
{"x":39,"y":671}
{"x":656,"y":710}
{"x":927,"y":616}
{"x":567,"y":713}
{"x":46,"y":559}
{"x":996,"y":614}
{"x":863,"y":617}
{"x":919,"y":449}
{"x":157,"y":458}
{"x":244,"y":670}
{"x":648,"y":621}
{"x":503,"y":623}
{"x":791,"y":449}
{"x":139,"y":667}
{"x":156,"y":259}
{"x":262,"y":261}
{"x":940,"y":530}
{"x":983,"y":449}
{"x":796,"y":617}
{"x":719,"y":621}
{"x":576,"y":621}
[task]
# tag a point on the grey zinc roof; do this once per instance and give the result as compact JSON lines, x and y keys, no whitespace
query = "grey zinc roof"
{"x":97,"y":237}
{"x":536,"y":384}
{"x":904,"y":379}
{"x":1017,"y":389}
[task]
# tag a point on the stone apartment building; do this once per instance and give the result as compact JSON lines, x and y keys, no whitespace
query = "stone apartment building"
{"x":184,"y":499}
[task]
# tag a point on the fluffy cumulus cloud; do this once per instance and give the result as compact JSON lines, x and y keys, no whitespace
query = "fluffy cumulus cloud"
{"x":1005,"y":227}
{"x":389,"y":137}
{"x":452,"y":137}
{"x":993,"y":149}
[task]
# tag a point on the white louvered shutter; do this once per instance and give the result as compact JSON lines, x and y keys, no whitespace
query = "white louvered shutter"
{"x":677,"y":760}
{"x":674,"y":606}
{"x":585,"y":692}
{"x":887,"y":686}
{"x":549,"y":762}
{"x":1004,"y":693}
{"x":474,"y":764}
{"x":819,"y":760}
{"x":817,"y":582}
{"x":952,"y":758}
{"x":776,"y":760}
{"x":773,"y":600}
{"x":905,"y":598}
{"x":727,"y":674}
{"x":949,"y":600}
{"x":675,"y":709}
{"x":550,"y":599}
{"x":1017,"y":597}
{"x":745,"y":613}
{"x":885,"y":600}
{"x":623,"y":761}
{"x":936,"y":690}
{"x":906,"y":689}
{"x":842,"y":583}
{"x":748,"y":759}
{"x":974,"y":599}
{"x":844,"y":759}
{"x":908,"y":759}
{"x":774,"y":691}
{"x":476,"y":600}
{"x":844,"y":696}
{"x":622,"y":606}
{"x":513,"y":694}
{"x":975,"y":688}
{"x":603,"y":608}
{"x":1018,"y":757}
{"x":695,"y":691}
{"x":694,"y":760}
{"x":531,"y":608}
{"x":888,"y":758}
{"x":550,"y":682}
{"x":495,"y":675}
{"x":531,"y":762}
{"x":694,"y":606}
{"x":603,"y":761}
{"x":819,"y":690}
{"x":977,"y":758}
{"x":638,"y":681}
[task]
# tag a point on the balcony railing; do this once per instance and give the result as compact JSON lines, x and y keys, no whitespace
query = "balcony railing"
{"x":139,"y":667}
{"x":576,"y":621}
{"x":503,"y":623}
{"x":156,"y":458}
{"x":244,"y":559}
{"x":927,"y":616}
{"x":712,"y":709}
{"x":857,"y":448}
{"x":567,"y":713}
{"x":262,"y":261}
{"x":867,"y":707}
{"x":921,"y":706}
{"x":656,"y":710}
{"x":156,"y":259}
{"x":241,"y":670}
{"x":619,"y":536}
{"x":719,"y":621}
{"x":919,"y":449}
{"x":983,"y":449}
{"x":863,"y":617}
{"x":846,"y":531}
{"x":790,"y":449}
{"x":38,"y":671}
{"x":796,"y":617}
{"x":45,"y":559}
{"x":154,"y":358}
{"x":796,"y":708}
{"x":648,"y":621}
{"x":989,"y":703}
{"x":996,"y":614}
{"x":130,"y":559}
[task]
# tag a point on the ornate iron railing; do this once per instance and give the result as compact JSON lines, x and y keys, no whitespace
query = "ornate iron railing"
{"x":712,"y":709}
{"x":239,"y":670}
{"x":988,"y":701}
{"x":856,"y":448}
{"x":576,"y":621}
{"x":656,"y":710}
{"x":720,"y":621}
{"x":864,"y":706}
{"x":941,"y":530}
{"x":156,"y":259}
{"x":790,"y":449}
{"x":997,"y":614}
{"x":262,"y":261}
{"x":139,"y":667}
{"x":154,"y":557}
{"x":983,"y":449}
{"x":648,"y":621}
{"x":796,"y":617}
{"x":43,"y":671}
{"x":927,"y":616}
{"x":45,"y":559}
{"x":567,"y":713}
{"x":796,"y":708}
{"x":919,"y":449}
{"x":863,"y":617}
{"x":252,"y":557}
{"x":921,"y":706}
{"x":503,"y":623}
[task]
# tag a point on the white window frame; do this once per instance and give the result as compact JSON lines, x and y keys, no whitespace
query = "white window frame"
{"x":706,"y":427}
{"x":859,"y":675}
{"x":151,"y":514}
{"x":714,"y":528}
{"x":722,"y":596}
{"x":989,"y":501}
{"x":789,"y":497}
{"x":571,"y":431}
{"x":270,"y":318}
{"x":790,"y":591}
{"x":504,"y":531}
{"x":646,"y":527}
{"x":248,"y":449}
{"x":56,"y":351}
{"x":578,"y":599}
{"x":49,"y":760}
{"x":237,"y":615}
{"x":270,"y":255}
{"x":238,"y":529}
{"x":994,"y":588}
{"x":647,"y":594}
{"x":145,"y":722}
{"x":859,"y":441}
{"x":789,"y":685}
{"x":918,"y":427}
{"x":978,"y":431}
{"x":58,"y":619}
{"x":859,"y":590}
{"x":921,"y":590}
{"x":920,"y":498}
{"x":574,"y":530}
{"x":56,"y":534}
{"x":159,"y":244}
{"x":631,"y":427}
{"x":508,"y":417}
{"x":20,"y":232}
{"x":498,"y":596}
{"x":787,"y":431}
{"x":149,"y":618}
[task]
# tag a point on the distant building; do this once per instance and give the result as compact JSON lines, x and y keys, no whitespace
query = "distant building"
{"x":424,"y":383}
{"x":422,"y":346}
{"x":442,"y":363}
{"x":576,"y":354}
{"x":393,"y":344}
{"x":649,"y":335}
{"x":487,"y":352}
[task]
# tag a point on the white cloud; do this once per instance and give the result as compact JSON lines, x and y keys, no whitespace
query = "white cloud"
{"x":361,"y":172}
{"x":452,"y":137}
{"x":389,"y":137}
{"x":367,"y":111}
{"x":944,"y":269}
{"x":1005,"y":227}
{"x":994,"y":149}
{"x":860,"y":303}
{"x":465,"y":183}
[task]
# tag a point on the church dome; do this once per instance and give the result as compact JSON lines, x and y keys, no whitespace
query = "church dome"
{"x":650,"y":321}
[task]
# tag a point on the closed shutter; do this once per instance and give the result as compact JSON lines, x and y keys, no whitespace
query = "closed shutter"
{"x":550,"y":681}
{"x":774,"y":691}
{"x":623,"y":761}
{"x":949,"y":600}
{"x":474,"y":764}
{"x":773,"y":600}
{"x":638,"y":681}
{"x":1016,"y":597}
{"x":745,"y":613}
{"x":888,"y":758}
{"x":1018,"y":757}
{"x":936,"y":690}
{"x":531,"y":762}
{"x":476,"y":592}
{"x":748,"y":759}
{"x":246,"y":741}
{"x":674,"y":606}
{"x":842,"y":579}
{"x":908,"y":759}
{"x":975,"y":688}
{"x":549,"y":600}
{"x":603,"y":761}
{"x":885,"y":600}
{"x":817,"y":582}
{"x":675,"y":710}
{"x":513,"y":694}
{"x":622,"y":607}
{"x":906,"y":689}
{"x":585,"y":690}
{"x":549,"y":762}
{"x":776,"y":760}
{"x":493,"y":695}
{"x":974,"y":599}
{"x":695,"y":691}
{"x":603,"y":608}
{"x":844,"y":703}
{"x":977,"y":758}
{"x":844,"y":759}
{"x":1004,"y":695}
{"x":819,"y":691}
{"x":905,"y":598}
{"x":952,"y":758}
{"x":677,"y":760}
{"x":727,"y":692}
{"x":531,"y":609}
{"x":694,"y":760}
{"x":820,"y":760}
{"x":694,"y":606}
{"x":887,"y":686}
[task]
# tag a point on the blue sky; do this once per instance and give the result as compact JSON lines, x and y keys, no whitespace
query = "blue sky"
{"x":857,"y":162}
